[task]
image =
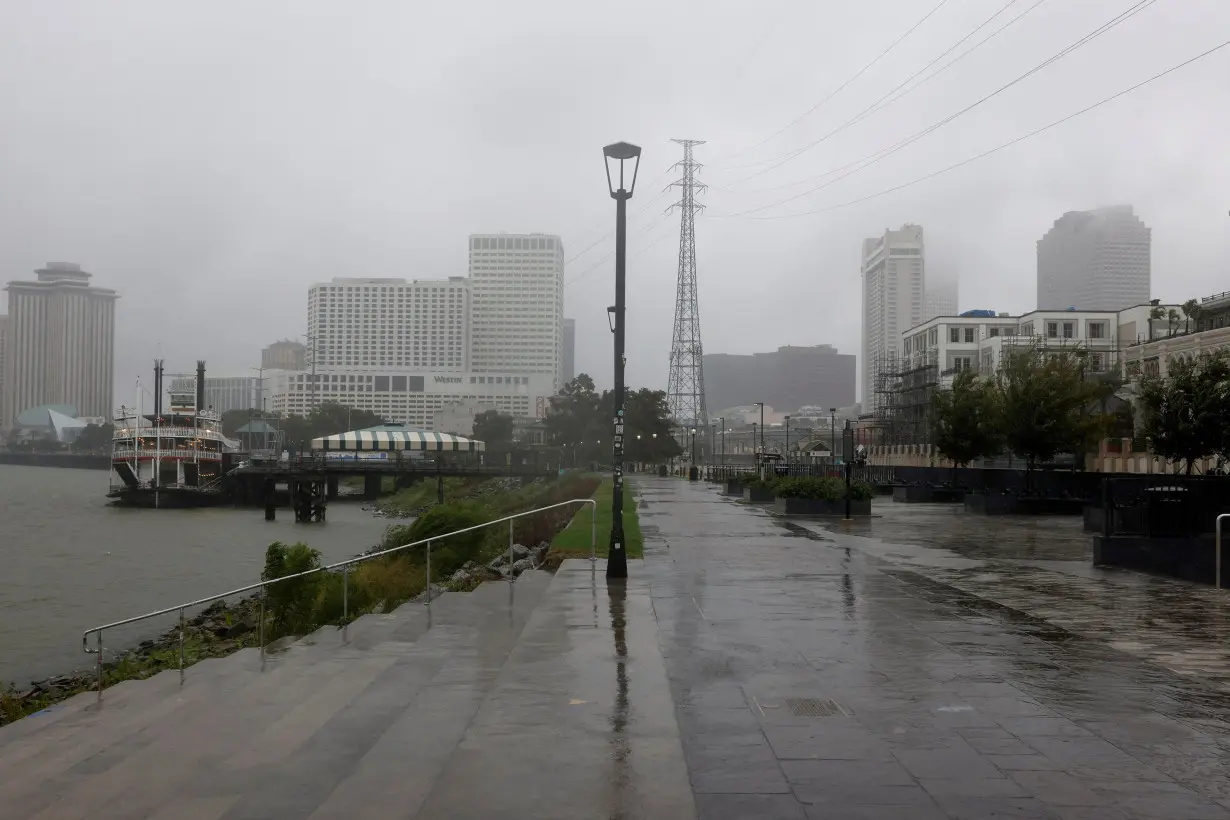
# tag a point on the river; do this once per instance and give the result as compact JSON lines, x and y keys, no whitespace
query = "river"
{"x":70,"y":561}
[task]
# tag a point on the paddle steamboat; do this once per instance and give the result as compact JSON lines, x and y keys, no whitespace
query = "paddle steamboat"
{"x":172,"y":457}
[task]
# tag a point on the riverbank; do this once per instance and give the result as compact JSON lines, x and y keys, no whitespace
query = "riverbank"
{"x":300,"y":606}
{"x":75,"y":461}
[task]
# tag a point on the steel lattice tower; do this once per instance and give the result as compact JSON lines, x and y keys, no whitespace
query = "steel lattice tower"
{"x":685,"y":390}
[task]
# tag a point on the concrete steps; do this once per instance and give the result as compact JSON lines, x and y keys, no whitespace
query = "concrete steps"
{"x":457,"y":710}
{"x":327,"y":697}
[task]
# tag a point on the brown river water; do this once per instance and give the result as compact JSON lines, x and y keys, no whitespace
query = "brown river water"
{"x":70,"y":561}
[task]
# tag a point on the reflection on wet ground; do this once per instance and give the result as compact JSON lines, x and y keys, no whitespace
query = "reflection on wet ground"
{"x":927,"y":664}
{"x":1042,"y":566}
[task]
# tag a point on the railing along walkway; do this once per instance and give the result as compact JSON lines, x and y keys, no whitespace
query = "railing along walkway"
{"x":345,"y":567}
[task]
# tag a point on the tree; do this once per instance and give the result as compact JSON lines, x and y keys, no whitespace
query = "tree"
{"x":327,"y":419}
{"x":1044,"y":400}
{"x":581,"y":420}
{"x":494,"y":429}
{"x":647,"y":426}
{"x":93,"y":437}
{"x":232,"y":420}
{"x":1191,"y":310}
{"x":965,"y":421}
{"x":1172,"y":321}
{"x":1186,"y":415}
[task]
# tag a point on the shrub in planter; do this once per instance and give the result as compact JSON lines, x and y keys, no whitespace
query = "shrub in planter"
{"x":861,"y":491}
{"x":824,"y":489}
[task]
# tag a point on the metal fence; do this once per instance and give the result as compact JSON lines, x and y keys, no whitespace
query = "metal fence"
{"x":870,"y":473}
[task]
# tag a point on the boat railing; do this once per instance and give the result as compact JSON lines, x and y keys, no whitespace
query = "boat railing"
{"x":344,"y":566}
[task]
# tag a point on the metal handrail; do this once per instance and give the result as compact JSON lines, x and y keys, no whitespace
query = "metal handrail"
{"x":345,"y":566}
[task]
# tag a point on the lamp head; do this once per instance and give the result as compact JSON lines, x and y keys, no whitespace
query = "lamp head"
{"x":621,"y":152}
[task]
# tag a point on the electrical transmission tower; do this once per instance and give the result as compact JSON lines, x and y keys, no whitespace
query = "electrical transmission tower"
{"x":685,"y":390}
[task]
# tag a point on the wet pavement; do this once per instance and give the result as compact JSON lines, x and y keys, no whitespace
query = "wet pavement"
{"x":925,"y":664}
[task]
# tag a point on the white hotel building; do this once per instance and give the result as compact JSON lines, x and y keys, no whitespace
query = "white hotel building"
{"x":407,"y":350}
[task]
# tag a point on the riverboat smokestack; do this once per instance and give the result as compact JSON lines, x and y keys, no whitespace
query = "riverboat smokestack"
{"x":200,"y":385}
{"x":157,"y":388}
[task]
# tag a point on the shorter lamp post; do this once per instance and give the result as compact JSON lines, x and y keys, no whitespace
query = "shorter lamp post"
{"x":693,"y":446}
{"x":787,"y":448}
{"x":833,"y":435}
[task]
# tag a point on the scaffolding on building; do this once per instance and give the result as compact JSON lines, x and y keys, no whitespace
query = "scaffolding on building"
{"x":902,"y":392}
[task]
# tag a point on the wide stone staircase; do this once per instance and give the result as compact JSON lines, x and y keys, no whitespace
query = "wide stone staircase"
{"x":503,"y":702}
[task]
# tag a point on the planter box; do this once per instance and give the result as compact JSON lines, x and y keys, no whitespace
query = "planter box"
{"x":998,"y":504}
{"x":1191,"y":559}
{"x":928,"y":495}
{"x":734,"y":488}
{"x":817,"y":506}
{"x":758,"y":495}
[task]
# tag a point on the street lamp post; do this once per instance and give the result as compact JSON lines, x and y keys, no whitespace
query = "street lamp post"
{"x":760,"y":451}
{"x":693,"y":446}
{"x":620,"y":152}
{"x":722,"y":421}
{"x":833,"y":435}
{"x":787,"y":445}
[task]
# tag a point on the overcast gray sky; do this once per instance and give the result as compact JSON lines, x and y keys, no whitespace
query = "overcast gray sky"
{"x":210,"y":161}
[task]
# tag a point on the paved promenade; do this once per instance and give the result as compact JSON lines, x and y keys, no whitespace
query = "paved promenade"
{"x":822,"y":671}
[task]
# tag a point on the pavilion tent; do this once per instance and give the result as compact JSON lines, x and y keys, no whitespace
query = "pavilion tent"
{"x":393,"y":440}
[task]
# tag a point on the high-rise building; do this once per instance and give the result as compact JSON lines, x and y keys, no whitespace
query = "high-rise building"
{"x":941,"y":297}
{"x":389,"y":323}
{"x":1095,"y":260}
{"x":894,"y":282}
{"x":570,"y":350}
{"x":517,"y":316}
{"x":785,"y":380}
{"x":3,"y":421}
{"x":284,"y":355}
{"x":223,"y":393}
{"x":60,"y":343}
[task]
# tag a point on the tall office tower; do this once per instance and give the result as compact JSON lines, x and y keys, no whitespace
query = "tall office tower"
{"x":3,"y":421}
{"x":1095,"y":260}
{"x":517,"y":314}
{"x":60,"y":343}
{"x":389,"y":323}
{"x":941,"y":297}
{"x":893,"y":286}
{"x":569,"y":357}
{"x":284,"y":355}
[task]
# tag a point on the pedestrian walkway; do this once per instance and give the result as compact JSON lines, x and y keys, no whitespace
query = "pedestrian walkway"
{"x":825,"y":675}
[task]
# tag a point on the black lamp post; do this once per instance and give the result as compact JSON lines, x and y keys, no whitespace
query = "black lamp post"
{"x":832,"y":435}
{"x":722,"y":421}
{"x":787,"y":453}
{"x":620,"y":152}
{"x":693,"y":446}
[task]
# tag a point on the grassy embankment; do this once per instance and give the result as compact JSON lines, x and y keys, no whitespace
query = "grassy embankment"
{"x":574,"y":540}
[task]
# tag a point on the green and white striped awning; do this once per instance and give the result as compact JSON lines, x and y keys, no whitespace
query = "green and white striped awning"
{"x":381,"y":440}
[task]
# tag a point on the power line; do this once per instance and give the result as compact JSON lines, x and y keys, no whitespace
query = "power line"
{"x":609,"y":233}
{"x":1008,"y":144}
{"x":884,"y":101}
{"x":574,"y":279}
{"x":884,"y":153}
{"x":841,"y":87}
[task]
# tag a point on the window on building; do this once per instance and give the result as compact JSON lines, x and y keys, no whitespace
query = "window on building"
{"x":1097,"y":330}
{"x":1069,"y":329}
{"x":1052,"y":330}
{"x":969,"y":334}
{"x":1097,"y":362}
{"x":992,"y":331}
{"x":416,"y":383}
{"x":954,"y":334}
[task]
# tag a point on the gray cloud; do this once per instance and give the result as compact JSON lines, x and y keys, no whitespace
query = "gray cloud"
{"x":211,"y":162}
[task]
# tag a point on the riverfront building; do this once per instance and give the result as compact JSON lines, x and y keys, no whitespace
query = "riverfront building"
{"x":59,"y":343}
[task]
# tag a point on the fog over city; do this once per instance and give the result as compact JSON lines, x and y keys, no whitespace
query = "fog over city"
{"x":212,"y":161}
